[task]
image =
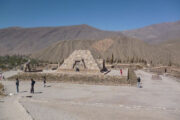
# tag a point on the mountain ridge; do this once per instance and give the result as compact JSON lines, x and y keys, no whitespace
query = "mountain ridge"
{"x":29,"y":40}
{"x":123,"y":49}
{"x":156,"y":33}
{"x":26,"y":41}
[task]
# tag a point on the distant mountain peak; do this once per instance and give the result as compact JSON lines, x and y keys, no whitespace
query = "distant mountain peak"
{"x":86,"y":26}
{"x":156,"y":33}
{"x":13,"y":27}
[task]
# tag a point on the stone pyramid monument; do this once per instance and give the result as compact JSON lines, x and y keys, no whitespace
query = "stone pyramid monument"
{"x":80,"y":60}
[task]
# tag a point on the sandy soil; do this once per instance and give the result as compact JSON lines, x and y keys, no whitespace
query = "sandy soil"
{"x":117,"y":72}
{"x":10,"y":73}
{"x":157,"y":100}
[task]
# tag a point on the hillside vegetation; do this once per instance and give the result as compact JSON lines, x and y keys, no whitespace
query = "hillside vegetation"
{"x":9,"y":62}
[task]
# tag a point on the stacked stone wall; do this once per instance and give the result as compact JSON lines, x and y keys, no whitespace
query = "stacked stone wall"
{"x":86,"y":55}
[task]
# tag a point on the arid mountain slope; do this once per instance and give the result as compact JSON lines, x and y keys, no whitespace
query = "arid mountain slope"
{"x":173,"y":47}
{"x":156,"y":33}
{"x":27,"y":40}
{"x":122,"y":48}
{"x":16,"y":40}
{"x":56,"y":43}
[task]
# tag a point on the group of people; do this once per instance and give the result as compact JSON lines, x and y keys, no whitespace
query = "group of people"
{"x":32,"y":84}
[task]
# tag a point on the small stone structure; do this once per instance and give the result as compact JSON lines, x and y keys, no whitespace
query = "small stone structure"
{"x":80,"y":60}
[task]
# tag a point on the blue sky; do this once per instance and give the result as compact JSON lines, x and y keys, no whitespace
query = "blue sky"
{"x":103,"y":14}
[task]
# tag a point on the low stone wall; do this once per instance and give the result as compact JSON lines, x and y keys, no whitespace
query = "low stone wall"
{"x":81,"y":71}
{"x":121,"y":66}
{"x":159,"y":70}
{"x":175,"y":73}
{"x":76,"y":78}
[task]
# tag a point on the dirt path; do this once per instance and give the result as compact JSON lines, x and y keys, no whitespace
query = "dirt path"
{"x":11,"y":109}
{"x":157,"y":100}
{"x":10,"y":73}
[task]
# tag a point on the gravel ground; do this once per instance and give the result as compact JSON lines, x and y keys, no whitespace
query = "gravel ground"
{"x":157,"y":100}
{"x":117,"y":72}
{"x":10,"y":73}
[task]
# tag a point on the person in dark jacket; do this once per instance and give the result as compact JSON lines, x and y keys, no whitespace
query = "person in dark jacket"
{"x":32,"y":85}
{"x":138,"y":82}
{"x":17,"y":85}
{"x":44,"y":81}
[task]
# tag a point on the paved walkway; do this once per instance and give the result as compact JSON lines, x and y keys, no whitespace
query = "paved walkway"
{"x":157,"y":100}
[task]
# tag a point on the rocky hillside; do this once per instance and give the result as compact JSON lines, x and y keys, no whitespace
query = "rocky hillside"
{"x":18,"y":40}
{"x":156,"y":33}
{"x":56,"y":43}
{"x":173,"y":48}
{"x":123,"y":49}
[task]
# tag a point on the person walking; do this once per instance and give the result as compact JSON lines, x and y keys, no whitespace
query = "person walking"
{"x":32,"y":85}
{"x":17,"y":85}
{"x":44,"y":81}
{"x":138,"y":82}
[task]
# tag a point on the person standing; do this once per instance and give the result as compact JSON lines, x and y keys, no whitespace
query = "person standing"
{"x":44,"y":81}
{"x":121,"y":71}
{"x":165,"y":70}
{"x":32,"y":85}
{"x":138,"y":82}
{"x":17,"y":85}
